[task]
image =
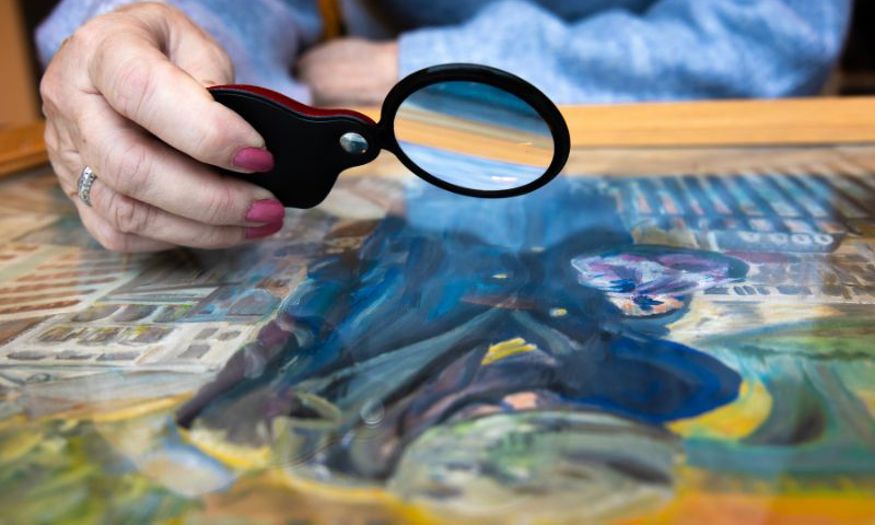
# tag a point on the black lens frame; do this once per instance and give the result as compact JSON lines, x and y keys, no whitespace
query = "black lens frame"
{"x":484,"y":75}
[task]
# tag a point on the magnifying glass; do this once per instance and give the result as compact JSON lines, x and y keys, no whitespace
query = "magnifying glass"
{"x":470,"y":129}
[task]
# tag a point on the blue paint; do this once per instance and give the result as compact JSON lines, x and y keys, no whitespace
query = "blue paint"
{"x":406,"y":320}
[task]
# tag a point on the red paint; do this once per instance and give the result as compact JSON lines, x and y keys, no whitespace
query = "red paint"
{"x":294,"y":105}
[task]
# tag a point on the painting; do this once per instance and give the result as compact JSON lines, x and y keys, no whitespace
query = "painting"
{"x":679,"y":348}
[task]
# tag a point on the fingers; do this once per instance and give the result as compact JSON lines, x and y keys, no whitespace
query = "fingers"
{"x":113,"y":239}
{"x":120,"y":223}
{"x":126,"y":95}
{"x":108,"y":237}
{"x":143,"y":85}
{"x":138,"y":166}
{"x":349,"y":71}
{"x":130,"y":217}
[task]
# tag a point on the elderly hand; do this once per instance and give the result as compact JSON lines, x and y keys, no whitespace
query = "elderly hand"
{"x":126,"y":95}
{"x":350,"y":71}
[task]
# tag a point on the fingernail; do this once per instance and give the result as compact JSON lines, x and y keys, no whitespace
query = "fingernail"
{"x":259,"y":232}
{"x":254,"y":159}
{"x":267,"y":210}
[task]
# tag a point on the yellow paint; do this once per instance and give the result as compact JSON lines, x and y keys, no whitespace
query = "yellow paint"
{"x":346,"y":494}
{"x":19,"y":444}
{"x":235,"y":456}
{"x":54,"y":445}
{"x":266,"y":498}
{"x":708,"y":316}
{"x":500,"y":276}
{"x":371,"y":495}
{"x":868,"y":399}
{"x":558,"y":312}
{"x":132,"y":411}
{"x":499,"y":351}
{"x":865,"y":228}
{"x":16,"y":421}
{"x":733,"y":421}
{"x":695,"y":507}
{"x":68,"y":425}
{"x":141,"y":329}
{"x":106,"y":412}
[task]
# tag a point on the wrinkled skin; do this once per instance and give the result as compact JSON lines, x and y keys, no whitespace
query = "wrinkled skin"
{"x":126,"y":95}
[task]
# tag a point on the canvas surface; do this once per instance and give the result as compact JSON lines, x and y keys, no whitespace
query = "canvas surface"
{"x":648,"y":349}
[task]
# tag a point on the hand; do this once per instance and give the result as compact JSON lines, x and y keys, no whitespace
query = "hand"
{"x":350,"y":71}
{"x":126,"y":96}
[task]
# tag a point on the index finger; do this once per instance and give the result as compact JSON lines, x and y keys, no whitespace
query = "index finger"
{"x":143,"y":85}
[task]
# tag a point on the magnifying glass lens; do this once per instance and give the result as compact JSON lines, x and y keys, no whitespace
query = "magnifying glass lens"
{"x":474,"y":136}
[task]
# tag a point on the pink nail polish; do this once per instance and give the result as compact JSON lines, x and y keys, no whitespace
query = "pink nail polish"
{"x":267,"y":211}
{"x":254,"y":159}
{"x":259,"y":232}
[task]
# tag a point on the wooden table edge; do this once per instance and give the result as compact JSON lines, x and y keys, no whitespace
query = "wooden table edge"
{"x":22,"y":147}
{"x":736,"y":123}
{"x":773,"y":122}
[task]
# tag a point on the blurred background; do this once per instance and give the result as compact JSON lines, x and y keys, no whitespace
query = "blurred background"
{"x":20,"y":70}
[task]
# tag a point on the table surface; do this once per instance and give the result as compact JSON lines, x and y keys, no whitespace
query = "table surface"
{"x":668,"y":334}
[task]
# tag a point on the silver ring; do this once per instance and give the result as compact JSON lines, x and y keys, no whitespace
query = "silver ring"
{"x":86,"y":180}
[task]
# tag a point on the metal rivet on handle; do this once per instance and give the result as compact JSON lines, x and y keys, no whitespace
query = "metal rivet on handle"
{"x":353,"y":143}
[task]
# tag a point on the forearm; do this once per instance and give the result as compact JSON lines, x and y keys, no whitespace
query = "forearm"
{"x":677,"y":49}
{"x":262,"y":37}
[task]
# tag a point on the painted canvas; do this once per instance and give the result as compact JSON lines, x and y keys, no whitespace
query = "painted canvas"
{"x":628,"y":350}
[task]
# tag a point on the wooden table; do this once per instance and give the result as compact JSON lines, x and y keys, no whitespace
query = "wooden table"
{"x":670,"y":125}
{"x":719,"y":301}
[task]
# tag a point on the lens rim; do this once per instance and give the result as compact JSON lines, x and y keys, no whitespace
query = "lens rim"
{"x":496,"y":78}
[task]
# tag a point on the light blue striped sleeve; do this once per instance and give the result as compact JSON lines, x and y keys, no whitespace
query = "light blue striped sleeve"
{"x":262,"y":37}
{"x":677,"y":49}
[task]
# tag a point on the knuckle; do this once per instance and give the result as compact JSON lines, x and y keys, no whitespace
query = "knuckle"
{"x":87,"y":37}
{"x":127,"y":166}
{"x":64,"y":178}
{"x":133,"y":86}
{"x":219,"y":205}
{"x":112,"y":240}
{"x":128,"y":215}
{"x":50,"y":137}
{"x":214,"y":138}
{"x":92,"y":32}
{"x":92,"y":40}
{"x":222,"y":62}
{"x":226,"y":63}
{"x":51,"y":89}
{"x":157,"y":10}
{"x":47,"y":109}
{"x":47,"y":90}
{"x":70,"y":158}
{"x":141,"y":14}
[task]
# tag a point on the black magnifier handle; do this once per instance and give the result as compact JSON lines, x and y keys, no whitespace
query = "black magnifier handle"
{"x":311,"y":146}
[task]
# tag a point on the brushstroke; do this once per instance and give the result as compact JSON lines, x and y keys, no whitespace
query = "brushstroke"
{"x":409,"y":323}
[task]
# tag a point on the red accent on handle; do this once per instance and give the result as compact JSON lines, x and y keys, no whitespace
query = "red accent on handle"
{"x":294,"y":105}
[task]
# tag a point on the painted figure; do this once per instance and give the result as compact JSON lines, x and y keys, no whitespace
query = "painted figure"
{"x":479,"y":357}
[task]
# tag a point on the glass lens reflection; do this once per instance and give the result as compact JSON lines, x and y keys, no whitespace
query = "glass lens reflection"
{"x":474,"y":136}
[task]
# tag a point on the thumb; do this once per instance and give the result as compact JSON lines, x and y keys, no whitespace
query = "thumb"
{"x":198,"y":54}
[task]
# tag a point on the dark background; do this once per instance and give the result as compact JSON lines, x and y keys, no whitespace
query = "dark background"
{"x":856,"y":75}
